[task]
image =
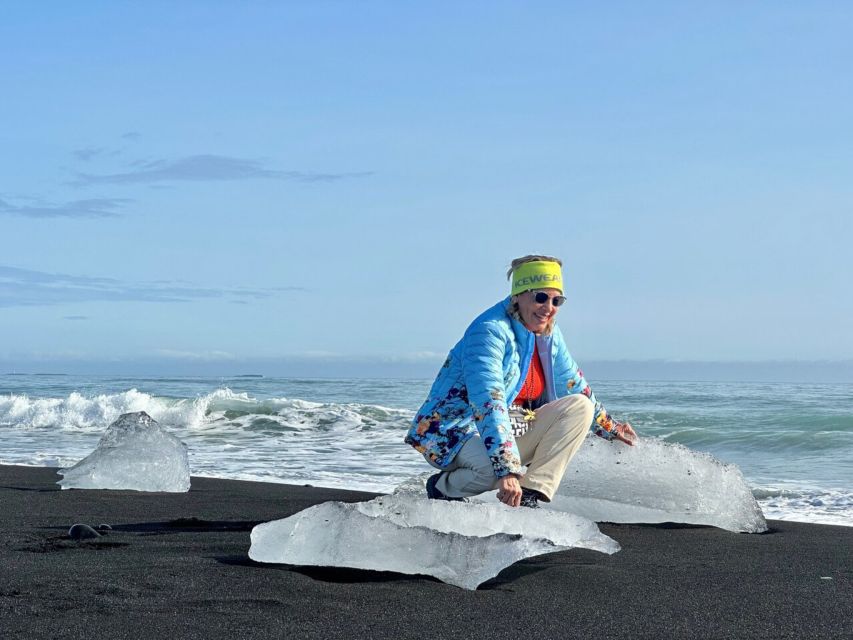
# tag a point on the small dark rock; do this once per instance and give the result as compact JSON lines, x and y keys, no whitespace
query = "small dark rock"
{"x":103,"y":527}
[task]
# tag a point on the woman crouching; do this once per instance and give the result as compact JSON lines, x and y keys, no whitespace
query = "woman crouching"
{"x":510,"y":395}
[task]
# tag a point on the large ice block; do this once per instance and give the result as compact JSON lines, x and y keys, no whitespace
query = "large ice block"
{"x":657,"y":481}
{"x":652,"y":482}
{"x":134,"y":453}
{"x":458,"y":543}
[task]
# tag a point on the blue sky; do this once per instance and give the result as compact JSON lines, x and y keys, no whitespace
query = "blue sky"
{"x":218,"y":186}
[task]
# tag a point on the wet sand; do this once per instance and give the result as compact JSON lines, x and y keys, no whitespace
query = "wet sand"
{"x":176,"y":566}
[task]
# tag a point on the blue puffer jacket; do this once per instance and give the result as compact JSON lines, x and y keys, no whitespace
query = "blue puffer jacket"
{"x":482,"y":375}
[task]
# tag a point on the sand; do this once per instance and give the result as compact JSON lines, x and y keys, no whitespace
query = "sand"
{"x":176,"y":566}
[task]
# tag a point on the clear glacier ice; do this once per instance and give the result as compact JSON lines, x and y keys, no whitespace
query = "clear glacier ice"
{"x":653,"y":482}
{"x":463,"y":544}
{"x":134,"y":453}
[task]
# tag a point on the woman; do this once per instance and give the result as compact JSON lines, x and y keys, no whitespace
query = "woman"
{"x":510,"y":395}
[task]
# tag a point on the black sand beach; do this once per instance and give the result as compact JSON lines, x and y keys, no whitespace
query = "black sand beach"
{"x":176,"y":566}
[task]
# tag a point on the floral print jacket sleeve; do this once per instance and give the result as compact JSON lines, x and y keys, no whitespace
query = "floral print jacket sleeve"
{"x":485,"y":349}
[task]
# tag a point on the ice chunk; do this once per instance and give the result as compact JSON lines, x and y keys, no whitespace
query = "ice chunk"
{"x":652,"y":482}
{"x":134,"y":453}
{"x":656,"y":481}
{"x":458,"y":543}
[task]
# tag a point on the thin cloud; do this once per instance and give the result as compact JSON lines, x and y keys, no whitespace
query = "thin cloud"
{"x":90,"y":208}
{"x":75,"y":317}
{"x":206,"y":168}
{"x":87,"y":153}
{"x":27,"y":288}
{"x":131,"y":135}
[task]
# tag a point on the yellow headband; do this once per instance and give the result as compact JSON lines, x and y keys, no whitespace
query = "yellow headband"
{"x":537,"y":275}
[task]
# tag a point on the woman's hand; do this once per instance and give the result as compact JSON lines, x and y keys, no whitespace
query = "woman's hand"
{"x":509,"y":490}
{"x":625,"y":433}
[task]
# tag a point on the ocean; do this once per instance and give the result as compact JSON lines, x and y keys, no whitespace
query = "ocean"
{"x":793,"y":442}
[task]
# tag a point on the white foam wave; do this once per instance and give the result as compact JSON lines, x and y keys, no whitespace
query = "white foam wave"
{"x":77,"y":412}
{"x":338,"y":444}
{"x":230,"y":435}
{"x":806,"y":504}
{"x":88,"y":413}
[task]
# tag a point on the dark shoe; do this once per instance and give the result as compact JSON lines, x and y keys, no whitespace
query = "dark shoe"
{"x":434,"y":494}
{"x":530,"y":498}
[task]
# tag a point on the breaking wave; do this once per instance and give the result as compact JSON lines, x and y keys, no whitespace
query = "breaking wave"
{"x":806,"y":504}
{"x":794,"y":448}
{"x":222,"y":407}
{"x":229,"y":434}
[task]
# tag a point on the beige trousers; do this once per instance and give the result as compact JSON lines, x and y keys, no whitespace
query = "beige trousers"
{"x":546,"y":449}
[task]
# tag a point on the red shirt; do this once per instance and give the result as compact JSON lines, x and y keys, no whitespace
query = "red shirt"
{"x":534,"y":383}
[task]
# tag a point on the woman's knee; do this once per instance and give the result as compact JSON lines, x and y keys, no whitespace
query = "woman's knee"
{"x":576,"y":410}
{"x":577,"y":404}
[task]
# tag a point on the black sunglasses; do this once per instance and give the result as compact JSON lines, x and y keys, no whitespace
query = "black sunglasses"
{"x":541,"y":298}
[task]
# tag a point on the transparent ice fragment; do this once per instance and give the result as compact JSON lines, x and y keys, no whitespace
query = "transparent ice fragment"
{"x":134,"y":453}
{"x":656,"y":481}
{"x":463,"y":544}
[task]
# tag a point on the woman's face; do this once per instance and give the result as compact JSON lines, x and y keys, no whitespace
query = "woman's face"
{"x":536,"y":316}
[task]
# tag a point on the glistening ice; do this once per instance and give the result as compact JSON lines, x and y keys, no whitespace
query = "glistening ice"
{"x":655,"y":482}
{"x":134,"y":453}
{"x":463,"y":544}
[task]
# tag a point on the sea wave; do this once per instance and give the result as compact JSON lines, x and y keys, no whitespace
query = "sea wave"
{"x":796,"y":454}
{"x":806,"y":504}
{"x":229,"y":435}
{"x":222,"y":407}
{"x":77,"y":412}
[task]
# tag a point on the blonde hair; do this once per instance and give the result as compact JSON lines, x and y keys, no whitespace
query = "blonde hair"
{"x":515,"y":264}
{"x":513,"y":307}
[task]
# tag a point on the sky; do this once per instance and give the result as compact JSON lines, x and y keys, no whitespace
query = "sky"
{"x":340,"y":186}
